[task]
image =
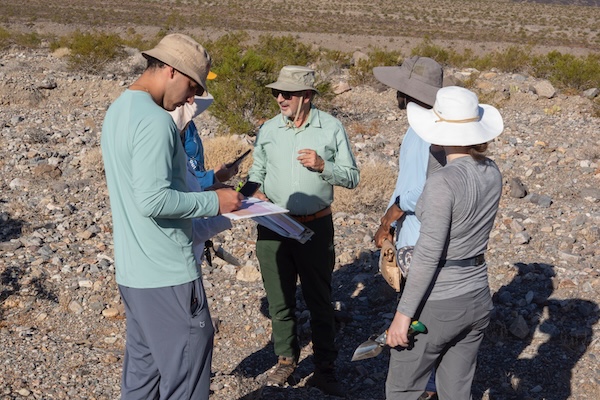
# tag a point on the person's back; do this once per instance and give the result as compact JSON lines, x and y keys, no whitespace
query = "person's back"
{"x":135,"y":132}
{"x":472,"y":190}
{"x":160,"y":287}
{"x":447,"y":287}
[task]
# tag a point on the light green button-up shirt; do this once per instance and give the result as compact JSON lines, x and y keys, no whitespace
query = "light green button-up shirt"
{"x":289,"y":184}
{"x":145,"y":166}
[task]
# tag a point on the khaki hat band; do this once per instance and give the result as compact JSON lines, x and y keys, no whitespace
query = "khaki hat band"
{"x":456,"y":121}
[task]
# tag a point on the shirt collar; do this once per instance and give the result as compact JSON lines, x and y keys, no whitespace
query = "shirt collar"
{"x":312,"y":120}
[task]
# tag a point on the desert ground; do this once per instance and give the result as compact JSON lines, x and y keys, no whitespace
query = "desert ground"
{"x":62,"y":325}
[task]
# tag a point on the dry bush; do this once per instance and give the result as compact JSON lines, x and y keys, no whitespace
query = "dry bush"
{"x":92,"y":160}
{"x":371,"y":128}
{"x":377,"y":181}
{"x":225,"y":149}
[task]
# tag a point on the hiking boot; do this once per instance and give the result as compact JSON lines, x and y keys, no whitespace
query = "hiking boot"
{"x":324,"y":379}
{"x":282,"y":371}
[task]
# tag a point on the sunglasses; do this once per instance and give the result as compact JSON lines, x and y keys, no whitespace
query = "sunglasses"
{"x":402,"y":100}
{"x":285,"y":95}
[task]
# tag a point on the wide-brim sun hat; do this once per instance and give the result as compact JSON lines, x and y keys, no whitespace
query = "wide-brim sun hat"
{"x":185,"y":55}
{"x":456,"y":119}
{"x":294,"y":78}
{"x":418,"y":77}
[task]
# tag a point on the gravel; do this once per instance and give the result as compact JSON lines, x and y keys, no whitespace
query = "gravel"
{"x":62,"y":325}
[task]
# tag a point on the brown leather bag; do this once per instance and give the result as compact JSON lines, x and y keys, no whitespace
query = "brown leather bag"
{"x":394,"y":264}
{"x":387,"y":265}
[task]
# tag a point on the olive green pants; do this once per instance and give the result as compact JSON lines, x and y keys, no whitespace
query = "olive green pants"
{"x":282,"y":261}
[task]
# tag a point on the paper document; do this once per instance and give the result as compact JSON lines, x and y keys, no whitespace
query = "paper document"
{"x":253,"y":207}
{"x":285,"y":226}
{"x":272,"y":217}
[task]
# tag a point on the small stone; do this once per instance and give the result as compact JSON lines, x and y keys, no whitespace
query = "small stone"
{"x":248,"y":273}
{"x":517,"y":188}
{"x":75,"y":307}
{"x":519,"y":327}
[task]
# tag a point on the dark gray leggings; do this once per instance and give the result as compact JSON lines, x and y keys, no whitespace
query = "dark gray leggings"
{"x":169,"y":345}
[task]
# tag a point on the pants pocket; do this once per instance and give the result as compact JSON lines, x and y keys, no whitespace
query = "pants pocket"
{"x":448,"y":321}
{"x":196,"y":298}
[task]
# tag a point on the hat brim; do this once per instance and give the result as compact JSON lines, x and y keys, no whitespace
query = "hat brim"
{"x":202,"y":103}
{"x":428,"y":126}
{"x":396,"y":78}
{"x":290,"y":87}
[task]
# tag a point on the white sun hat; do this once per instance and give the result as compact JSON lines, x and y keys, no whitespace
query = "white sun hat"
{"x":185,"y":113}
{"x":456,"y":119}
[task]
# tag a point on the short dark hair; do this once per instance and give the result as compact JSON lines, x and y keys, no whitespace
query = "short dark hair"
{"x":153,"y":62}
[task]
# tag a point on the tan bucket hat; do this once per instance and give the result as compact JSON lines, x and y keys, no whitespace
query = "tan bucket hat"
{"x":294,"y":78}
{"x":185,"y":55}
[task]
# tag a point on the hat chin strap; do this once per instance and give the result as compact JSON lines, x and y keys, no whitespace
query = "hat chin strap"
{"x":456,"y":121}
{"x":293,"y":123}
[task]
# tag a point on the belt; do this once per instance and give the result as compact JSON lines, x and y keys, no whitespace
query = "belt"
{"x":311,"y":217}
{"x":467,"y":262}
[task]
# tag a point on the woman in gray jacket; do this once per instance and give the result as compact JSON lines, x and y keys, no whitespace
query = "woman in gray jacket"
{"x":447,"y":286}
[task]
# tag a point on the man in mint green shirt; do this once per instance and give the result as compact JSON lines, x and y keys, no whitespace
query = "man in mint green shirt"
{"x":168,"y":349}
{"x":299,"y":156}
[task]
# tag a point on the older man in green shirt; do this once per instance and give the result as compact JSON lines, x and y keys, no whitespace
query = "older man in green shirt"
{"x":299,"y":156}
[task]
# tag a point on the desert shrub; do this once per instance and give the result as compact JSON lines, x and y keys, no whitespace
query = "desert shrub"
{"x":512,"y":59}
{"x":362,"y":71}
{"x":339,"y":58}
{"x":137,"y":40}
{"x":29,"y":40}
{"x":377,"y":181}
{"x":4,"y":38}
{"x":224,"y":149}
{"x":444,"y":56}
{"x":429,"y":49}
{"x":91,"y":52}
{"x":568,"y":71}
{"x":241,"y":99}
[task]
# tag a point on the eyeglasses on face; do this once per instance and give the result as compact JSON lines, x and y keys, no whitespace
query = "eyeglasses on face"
{"x":285,"y":95}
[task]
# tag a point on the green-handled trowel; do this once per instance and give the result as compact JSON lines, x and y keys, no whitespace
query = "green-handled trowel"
{"x":372,"y":347}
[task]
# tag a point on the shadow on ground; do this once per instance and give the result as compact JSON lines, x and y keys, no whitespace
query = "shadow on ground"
{"x":555,"y":332}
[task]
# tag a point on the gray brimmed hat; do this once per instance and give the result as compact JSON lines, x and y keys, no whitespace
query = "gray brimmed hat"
{"x":418,"y":77}
{"x":294,"y":78}
{"x":456,"y":119}
{"x":185,"y":55}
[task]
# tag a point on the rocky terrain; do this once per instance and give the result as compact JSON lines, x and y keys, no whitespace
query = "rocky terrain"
{"x":62,"y":325}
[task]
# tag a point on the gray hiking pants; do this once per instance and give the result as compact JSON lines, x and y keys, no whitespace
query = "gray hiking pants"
{"x":168,"y":351}
{"x":454,"y":332}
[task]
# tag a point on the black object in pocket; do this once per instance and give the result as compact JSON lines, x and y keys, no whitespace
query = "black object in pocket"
{"x":194,"y":301}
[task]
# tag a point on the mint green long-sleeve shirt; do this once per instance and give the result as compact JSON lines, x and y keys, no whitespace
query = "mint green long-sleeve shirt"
{"x":145,"y":166}
{"x":289,"y":184}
